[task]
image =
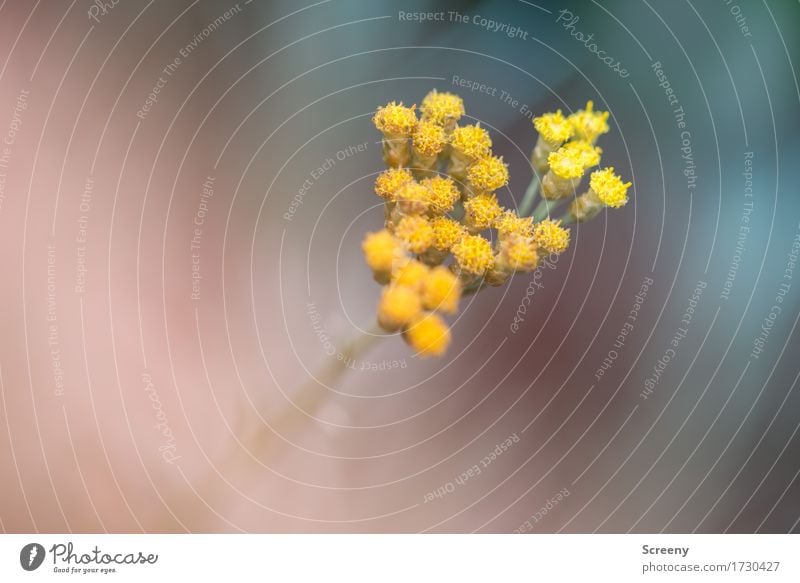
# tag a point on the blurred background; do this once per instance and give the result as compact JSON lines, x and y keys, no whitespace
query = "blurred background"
{"x":184,"y":187}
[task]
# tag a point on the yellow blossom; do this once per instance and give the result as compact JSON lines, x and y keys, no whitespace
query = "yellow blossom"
{"x":395,"y":119}
{"x":416,"y":232}
{"x":442,"y":108}
{"x":588,"y":154}
{"x":413,"y":198}
{"x":381,"y":250}
{"x":588,"y":124}
{"x":429,"y":138}
{"x":473,"y":254}
{"x":428,"y":335}
{"x":566,"y":163}
{"x":446,"y":232}
{"x":488,"y":173}
{"x":551,"y":236}
{"x":410,"y":273}
{"x":443,"y":193}
{"x":480,"y":211}
{"x":609,"y":187}
{"x":509,"y":223}
{"x":517,"y":253}
{"x":441,"y":290}
{"x":553,"y":128}
{"x":398,"y":307}
{"x":389,"y":181}
{"x":472,"y":141}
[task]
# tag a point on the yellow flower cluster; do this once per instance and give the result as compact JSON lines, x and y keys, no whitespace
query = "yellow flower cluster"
{"x":445,"y":232}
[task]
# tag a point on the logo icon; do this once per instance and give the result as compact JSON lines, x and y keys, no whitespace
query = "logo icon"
{"x":31,"y":556}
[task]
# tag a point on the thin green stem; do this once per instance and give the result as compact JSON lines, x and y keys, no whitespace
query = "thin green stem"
{"x":530,"y":196}
{"x":567,"y":219}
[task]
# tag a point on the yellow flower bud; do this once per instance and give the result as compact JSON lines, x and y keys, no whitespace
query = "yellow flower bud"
{"x":517,"y":253}
{"x":566,"y":163}
{"x":428,"y":335}
{"x":442,"y":108}
{"x":473,"y":254}
{"x":410,"y":273}
{"x":509,"y":223}
{"x":381,"y":251}
{"x":471,"y":141}
{"x":553,"y":128}
{"x":446,"y":232}
{"x":588,"y":124}
{"x":588,"y":154}
{"x":551,"y":236}
{"x":480,"y":211}
{"x":395,"y":120}
{"x":413,"y":198}
{"x":416,"y":232}
{"x":441,"y":290}
{"x":609,"y":187}
{"x":443,"y":193}
{"x":398,"y":307}
{"x":389,"y":181}
{"x":488,"y":173}
{"x":429,"y":138}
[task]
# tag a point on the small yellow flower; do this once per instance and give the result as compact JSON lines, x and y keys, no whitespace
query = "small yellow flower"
{"x":517,"y":253}
{"x":398,"y":307}
{"x":551,"y":236}
{"x":442,"y":108}
{"x":509,"y":223}
{"x":416,"y":232}
{"x":410,"y":273}
{"x":429,"y":138}
{"x":480,"y":211}
{"x":588,"y":124}
{"x":413,"y":198}
{"x":428,"y":335}
{"x":566,"y":163}
{"x":389,"y":181}
{"x":609,"y":187}
{"x":441,"y":290}
{"x":588,"y":154}
{"x":553,"y":128}
{"x":473,"y":254}
{"x":471,"y":140}
{"x":443,"y":193}
{"x":381,"y":251}
{"x":488,"y":173}
{"x":446,"y":232}
{"x":395,"y":119}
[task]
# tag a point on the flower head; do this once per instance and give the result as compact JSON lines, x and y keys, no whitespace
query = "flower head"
{"x":395,"y":119}
{"x":381,"y":251}
{"x":588,"y":154}
{"x":473,"y":254}
{"x":446,"y":232}
{"x":416,"y":232}
{"x":441,"y":290}
{"x":566,"y":163}
{"x":481,"y":211}
{"x":517,"y":253}
{"x":609,"y":187}
{"x":551,"y":236}
{"x":587,"y":124}
{"x":488,"y":173}
{"x":443,"y":193}
{"x":389,"y":181}
{"x":413,"y":198}
{"x":509,"y":223}
{"x":410,"y":273}
{"x":553,"y":128}
{"x":429,"y":138}
{"x":442,"y":108}
{"x":472,"y":141}
{"x":398,"y":307}
{"x":428,"y":335}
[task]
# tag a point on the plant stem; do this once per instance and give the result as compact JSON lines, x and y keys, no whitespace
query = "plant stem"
{"x":530,"y":196}
{"x":543,"y":209}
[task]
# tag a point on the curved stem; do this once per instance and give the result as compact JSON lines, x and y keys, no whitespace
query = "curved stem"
{"x":530,"y":196}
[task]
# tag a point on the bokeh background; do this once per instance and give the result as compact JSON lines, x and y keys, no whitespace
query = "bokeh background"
{"x":169,"y":296}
